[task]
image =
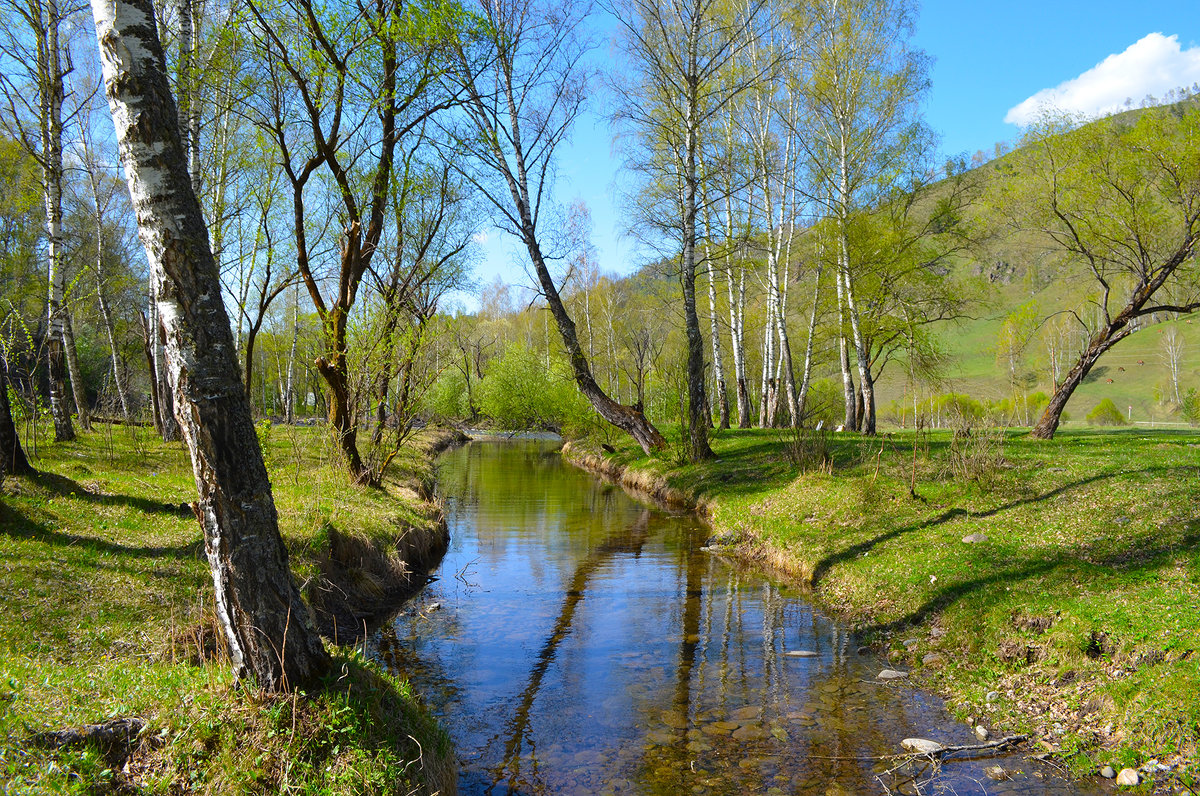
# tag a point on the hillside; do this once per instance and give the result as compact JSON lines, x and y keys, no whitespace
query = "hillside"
{"x":1023,"y":275}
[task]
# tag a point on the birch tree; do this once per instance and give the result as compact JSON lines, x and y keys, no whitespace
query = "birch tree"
{"x":35,"y":88}
{"x":268,"y":628}
{"x":681,"y":52}
{"x":862,"y":115}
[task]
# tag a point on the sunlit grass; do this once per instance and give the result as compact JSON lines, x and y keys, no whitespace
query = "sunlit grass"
{"x":107,"y":612}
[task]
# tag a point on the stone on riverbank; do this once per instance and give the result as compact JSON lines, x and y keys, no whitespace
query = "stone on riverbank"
{"x":1128,"y":777}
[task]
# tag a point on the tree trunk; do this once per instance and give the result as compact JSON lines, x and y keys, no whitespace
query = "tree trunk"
{"x":718,"y":362}
{"x":866,"y":383}
{"x":78,"y":389}
{"x":166,"y":399}
{"x":1106,"y":338}
{"x":851,"y":417}
{"x":268,"y":628}
{"x":806,"y":378}
{"x":51,"y":102}
{"x":12,"y":455}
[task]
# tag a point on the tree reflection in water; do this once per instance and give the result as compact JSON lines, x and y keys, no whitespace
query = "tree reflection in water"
{"x":596,"y":650}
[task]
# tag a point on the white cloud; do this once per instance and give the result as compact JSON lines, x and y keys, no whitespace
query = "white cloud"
{"x":481,"y":237}
{"x":1153,"y":65}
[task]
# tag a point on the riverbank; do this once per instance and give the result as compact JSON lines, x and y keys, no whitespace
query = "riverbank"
{"x":108,"y":613}
{"x":1044,"y":588}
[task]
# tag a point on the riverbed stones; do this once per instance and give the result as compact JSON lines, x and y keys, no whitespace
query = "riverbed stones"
{"x":921,"y":746}
{"x":748,"y":713}
{"x":800,"y":654}
{"x":674,"y":719}
{"x":891,"y":674}
{"x":981,"y":732}
{"x":748,"y":733}
{"x":997,"y":773}
{"x":1128,"y":777}
{"x":975,"y":538}
{"x":1108,"y":773}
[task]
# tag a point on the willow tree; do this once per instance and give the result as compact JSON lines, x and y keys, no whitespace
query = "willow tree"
{"x":1119,"y":201}
{"x":861,"y":119}
{"x":524,"y":83}
{"x":271,"y":637}
{"x":682,"y":53}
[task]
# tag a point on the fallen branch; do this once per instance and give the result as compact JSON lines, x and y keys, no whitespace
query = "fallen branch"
{"x":919,"y":747}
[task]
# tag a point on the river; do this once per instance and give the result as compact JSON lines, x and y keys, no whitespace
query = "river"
{"x":580,"y":642}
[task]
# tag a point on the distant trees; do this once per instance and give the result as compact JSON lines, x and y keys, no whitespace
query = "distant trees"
{"x":1120,"y":199}
{"x":524,"y":82}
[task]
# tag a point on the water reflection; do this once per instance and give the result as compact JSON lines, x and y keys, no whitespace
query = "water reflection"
{"x":584,"y":645}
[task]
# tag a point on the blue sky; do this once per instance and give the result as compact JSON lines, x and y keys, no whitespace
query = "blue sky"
{"x":991,"y":61}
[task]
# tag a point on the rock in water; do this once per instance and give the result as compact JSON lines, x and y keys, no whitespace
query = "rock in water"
{"x":800,"y":654}
{"x":981,"y":732}
{"x":997,"y":773}
{"x":921,"y":746}
{"x":891,"y":674}
{"x":1128,"y":777}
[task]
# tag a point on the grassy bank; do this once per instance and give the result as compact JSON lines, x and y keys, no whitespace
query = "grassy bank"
{"x":107,"y":612}
{"x":1073,"y":613}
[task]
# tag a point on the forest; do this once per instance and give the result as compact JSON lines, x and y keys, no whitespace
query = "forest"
{"x":251,"y":235}
{"x":793,"y":203}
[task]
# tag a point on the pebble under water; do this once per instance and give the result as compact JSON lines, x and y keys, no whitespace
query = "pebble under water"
{"x":580,"y":642}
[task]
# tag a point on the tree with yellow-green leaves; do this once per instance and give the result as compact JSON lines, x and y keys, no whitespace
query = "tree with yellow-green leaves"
{"x":1119,"y":201}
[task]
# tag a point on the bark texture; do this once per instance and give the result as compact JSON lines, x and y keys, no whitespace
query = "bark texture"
{"x":269,"y":629}
{"x":12,"y":455}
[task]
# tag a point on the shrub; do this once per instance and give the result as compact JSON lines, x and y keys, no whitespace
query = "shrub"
{"x":447,"y":398}
{"x":518,"y":391}
{"x":1106,"y":413}
{"x":1190,"y":409}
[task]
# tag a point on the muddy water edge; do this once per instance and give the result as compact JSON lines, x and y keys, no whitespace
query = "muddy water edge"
{"x":579,"y":641}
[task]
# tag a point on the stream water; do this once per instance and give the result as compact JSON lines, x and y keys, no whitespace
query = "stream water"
{"x":580,"y":642}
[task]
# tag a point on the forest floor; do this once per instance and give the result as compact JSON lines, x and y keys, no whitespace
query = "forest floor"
{"x":106,"y":612}
{"x":1051,"y":588}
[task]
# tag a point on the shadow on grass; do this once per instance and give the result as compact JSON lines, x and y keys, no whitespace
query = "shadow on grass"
{"x":63,"y":486}
{"x":16,"y":525}
{"x":1066,"y":561}
{"x":825,"y":564}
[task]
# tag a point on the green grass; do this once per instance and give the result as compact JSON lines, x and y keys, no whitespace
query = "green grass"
{"x":107,"y":612}
{"x":1094,"y":534}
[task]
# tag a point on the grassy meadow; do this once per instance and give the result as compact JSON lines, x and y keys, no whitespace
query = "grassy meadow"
{"x":1073,"y":611}
{"x":107,"y":612}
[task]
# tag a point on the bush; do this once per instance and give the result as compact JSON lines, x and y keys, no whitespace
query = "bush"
{"x":824,"y":403}
{"x":1106,"y":413}
{"x":1190,"y":409}
{"x":447,"y":398}
{"x":519,"y":392}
